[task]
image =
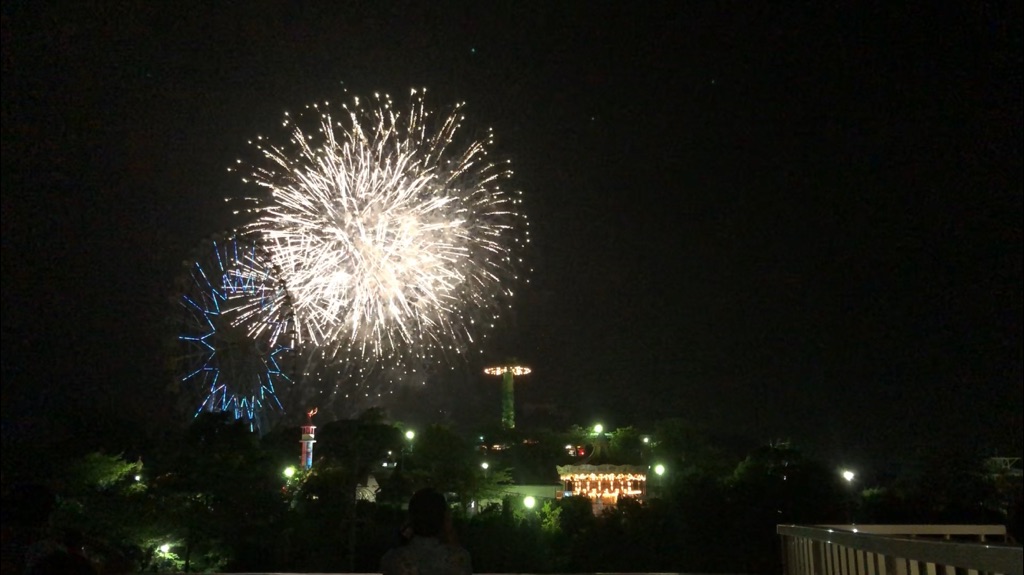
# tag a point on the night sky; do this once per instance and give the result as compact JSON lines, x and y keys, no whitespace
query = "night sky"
{"x":775,"y":221}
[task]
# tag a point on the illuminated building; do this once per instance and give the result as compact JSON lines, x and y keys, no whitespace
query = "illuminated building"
{"x":603,"y":484}
{"x":598,"y":478}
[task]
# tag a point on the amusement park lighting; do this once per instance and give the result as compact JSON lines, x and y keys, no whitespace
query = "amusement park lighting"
{"x":503,"y":369}
{"x":508,"y":373}
{"x":529,"y":502}
{"x":289,"y":471}
{"x":659,"y":469}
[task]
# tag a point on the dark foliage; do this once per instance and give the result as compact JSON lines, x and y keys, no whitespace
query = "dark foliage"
{"x":217,"y":497}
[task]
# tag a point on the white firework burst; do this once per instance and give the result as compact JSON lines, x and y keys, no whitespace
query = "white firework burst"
{"x":392,"y":231}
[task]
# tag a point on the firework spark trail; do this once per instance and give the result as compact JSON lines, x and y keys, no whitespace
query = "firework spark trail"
{"x":391,"y":237}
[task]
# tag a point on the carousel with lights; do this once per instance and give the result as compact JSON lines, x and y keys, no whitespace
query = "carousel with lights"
{"x":600,"y":480}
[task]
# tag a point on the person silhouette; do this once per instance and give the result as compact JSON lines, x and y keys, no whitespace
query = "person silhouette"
{"x":429,"y":547}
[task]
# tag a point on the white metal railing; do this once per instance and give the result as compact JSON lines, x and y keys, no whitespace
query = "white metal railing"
{"x":982,"y":533}
{"x":898,"y":550}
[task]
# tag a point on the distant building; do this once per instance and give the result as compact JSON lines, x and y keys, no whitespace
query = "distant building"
{"x":603,"y":484}
{"x":601,"y":480}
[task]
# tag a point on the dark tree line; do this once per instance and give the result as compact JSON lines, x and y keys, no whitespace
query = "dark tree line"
{"x":216,"y":497}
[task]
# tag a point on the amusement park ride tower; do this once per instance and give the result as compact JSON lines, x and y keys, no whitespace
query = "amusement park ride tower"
{"x":308,"y":440}
{"x":508,"y":400}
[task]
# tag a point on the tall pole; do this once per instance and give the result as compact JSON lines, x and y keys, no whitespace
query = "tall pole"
{"x":508,"y":401}
{"x":508,"y":398}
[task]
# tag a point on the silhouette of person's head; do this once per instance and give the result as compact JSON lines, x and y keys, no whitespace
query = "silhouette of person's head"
{"x":427,"y":512}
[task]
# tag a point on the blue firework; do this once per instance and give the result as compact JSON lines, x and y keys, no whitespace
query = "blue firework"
{"x":236,"y":333}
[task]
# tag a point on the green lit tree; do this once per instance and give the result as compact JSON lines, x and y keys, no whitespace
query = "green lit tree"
{"x":444,"y":460}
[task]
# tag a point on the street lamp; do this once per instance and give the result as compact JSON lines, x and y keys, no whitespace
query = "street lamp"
{"x":849,"y":476}
{"x":409,"y":435}
{"x":598,"y":429}
{"x":659,"y":470}
{"x":289,"y":471}
{"x":529,"y":502}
